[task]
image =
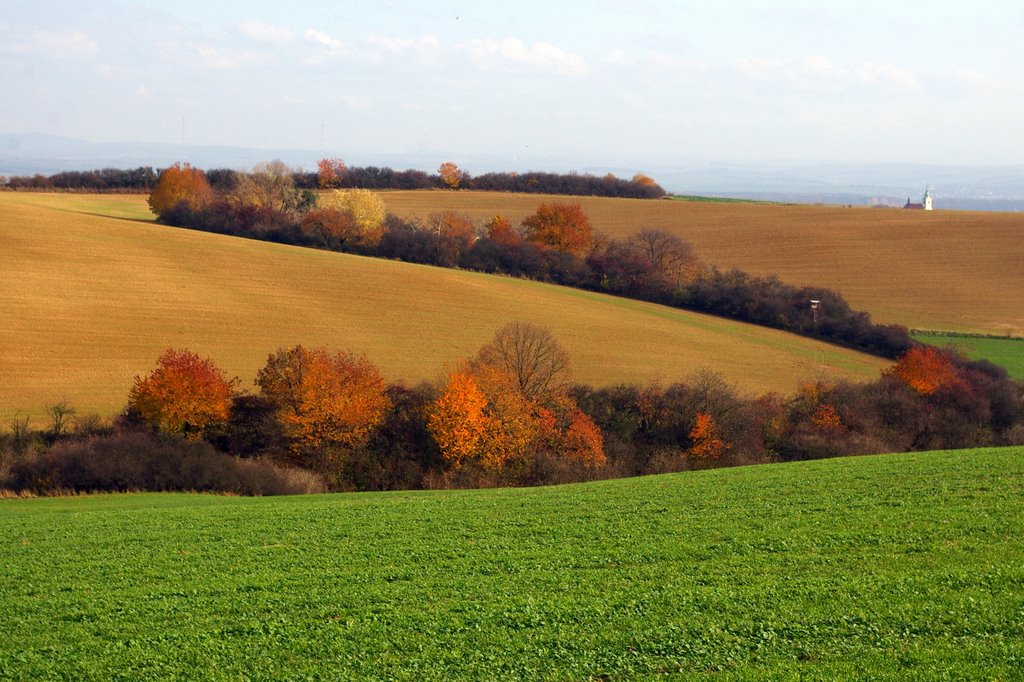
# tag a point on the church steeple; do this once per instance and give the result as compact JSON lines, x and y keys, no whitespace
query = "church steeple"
{"x":927,"y":199}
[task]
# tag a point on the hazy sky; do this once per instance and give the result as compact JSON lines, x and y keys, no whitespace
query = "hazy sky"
{"x":615,"y":81}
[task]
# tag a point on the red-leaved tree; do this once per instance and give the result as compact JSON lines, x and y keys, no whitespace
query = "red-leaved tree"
{"x":926,"y":370}
{"x":185,"y":394}
{"x":330,"y":172}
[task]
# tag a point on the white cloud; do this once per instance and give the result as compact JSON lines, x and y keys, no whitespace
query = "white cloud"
{"x":669,"y":62}
{"x":266,"y":32}
{"x":321,"y":38}
{"x":973,"y":79}
{"x":330,"y":46}
{"x":212,"y":58}
{"x":818,"y":73}
{"x":424,"y":52}
{"x":885,"y":75}
{"x":513,"y":53}
{"x":68,"y":42}
{"x":357,"y":101}
{"x":427,"y":41}
{"x":390,"y":44}
{"x":15,"y":48}
{"x":616,"y":56}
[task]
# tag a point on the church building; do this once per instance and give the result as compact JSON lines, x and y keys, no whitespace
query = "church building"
{"x":926,"y":202}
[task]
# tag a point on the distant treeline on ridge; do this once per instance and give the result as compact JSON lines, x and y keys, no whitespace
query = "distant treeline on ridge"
{"x":144,"y":178}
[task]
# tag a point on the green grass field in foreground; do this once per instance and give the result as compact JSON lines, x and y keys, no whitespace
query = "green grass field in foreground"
{"x":1008,"y":353}
{"x":890,"y":567}
{"x":90,"y":301}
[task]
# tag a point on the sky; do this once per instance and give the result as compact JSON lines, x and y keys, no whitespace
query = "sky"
{"x":645,"y":81}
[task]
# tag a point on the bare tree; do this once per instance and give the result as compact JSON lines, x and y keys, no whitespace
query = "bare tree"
{"x":531,"y":356}
{"x":59,"y":414}
{"x":671,"y":254}
{"x":270,"y":185}
{"x":22,"y":434}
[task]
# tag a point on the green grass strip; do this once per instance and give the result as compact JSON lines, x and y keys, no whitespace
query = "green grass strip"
{"x":891,"y":567}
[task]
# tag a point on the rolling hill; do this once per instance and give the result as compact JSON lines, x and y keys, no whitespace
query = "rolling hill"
{"x":94,"y":292}
{"x":954,"y":271}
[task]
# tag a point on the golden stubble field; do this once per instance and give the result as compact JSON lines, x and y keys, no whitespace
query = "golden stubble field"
{"x":957,"y":271}
{"x":91,"y":300}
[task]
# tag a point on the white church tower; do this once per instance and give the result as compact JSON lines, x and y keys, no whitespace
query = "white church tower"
{"x":926,"y":201}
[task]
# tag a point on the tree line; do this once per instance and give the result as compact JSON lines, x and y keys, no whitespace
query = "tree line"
{"x":141,"y":179}
{"x":320,"y":419}
{"x":333,"y":173}
{"x":555,"y":244}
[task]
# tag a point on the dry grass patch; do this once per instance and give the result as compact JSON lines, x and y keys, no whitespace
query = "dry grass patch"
{"x":950,"y":270}
{"x":91,"y":301}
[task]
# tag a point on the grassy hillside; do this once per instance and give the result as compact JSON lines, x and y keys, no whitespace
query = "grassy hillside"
{"x":1008,"y":353}
{"x":90,"y":301}
{"x":946,"y":270}
{"x":891,"y":567}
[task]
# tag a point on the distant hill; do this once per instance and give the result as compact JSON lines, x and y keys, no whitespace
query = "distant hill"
{"x":998,"y":188}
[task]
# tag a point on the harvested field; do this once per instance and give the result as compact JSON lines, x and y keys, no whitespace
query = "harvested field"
{"x":946,"y":270}
{"x":90,"y":301}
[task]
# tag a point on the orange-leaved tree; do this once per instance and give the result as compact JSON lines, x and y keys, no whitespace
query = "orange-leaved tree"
{"x":452,"y":224}
{"x":324,"y":398}
{"x":181,"y":183}
{"x":185,"y":394}
{"x":510,"y":404}
{"x":926,"y":370}
{"x":563,"y":227}
{"x":826,"y":418}
{"x":451,"y":174}
{"x":457,"y":421}
{"x":499,"y":230}
{"x":480,"y":418}
{"x":571,"y":434}
{"x":706,"y":440}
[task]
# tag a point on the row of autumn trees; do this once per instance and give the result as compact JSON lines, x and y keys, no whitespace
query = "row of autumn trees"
{"x":510,"y":415}
{"x":333,"y":173}
{"x":503,"y":416}
{"x":555,"y":244}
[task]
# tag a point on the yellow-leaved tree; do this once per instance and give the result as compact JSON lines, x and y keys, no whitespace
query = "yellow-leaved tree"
{"x":367,"y":210}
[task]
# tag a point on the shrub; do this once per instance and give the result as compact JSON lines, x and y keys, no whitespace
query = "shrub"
{"x":134,"y":460}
